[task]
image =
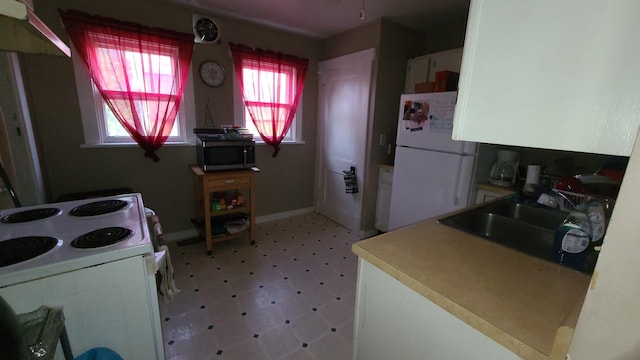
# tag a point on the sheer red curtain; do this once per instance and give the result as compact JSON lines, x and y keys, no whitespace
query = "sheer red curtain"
{"x":271,"y":85}
{"x":139,"y":71}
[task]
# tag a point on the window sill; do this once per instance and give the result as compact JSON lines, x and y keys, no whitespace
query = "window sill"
{"x":260,"y":142}
{"x":114,"y":145}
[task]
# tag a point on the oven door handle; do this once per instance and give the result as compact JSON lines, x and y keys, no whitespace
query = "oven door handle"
{"x":155,"y":261}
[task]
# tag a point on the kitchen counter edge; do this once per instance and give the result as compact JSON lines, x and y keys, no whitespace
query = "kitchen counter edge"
{"x":521,"y":347}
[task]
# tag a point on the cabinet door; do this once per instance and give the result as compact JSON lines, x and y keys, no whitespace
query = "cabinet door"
{"x":450,"y":60}
{"x":417,"y":72}
{"x":548,"y":74}
{"x":394,"y":322}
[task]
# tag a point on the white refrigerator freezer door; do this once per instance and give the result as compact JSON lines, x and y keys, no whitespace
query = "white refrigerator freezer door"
{"x":427,"y":184}
{"x":426,"y":122}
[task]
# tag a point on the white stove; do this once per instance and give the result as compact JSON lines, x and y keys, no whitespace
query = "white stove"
{"x":95,"y":259}
{"x":120,"y":216}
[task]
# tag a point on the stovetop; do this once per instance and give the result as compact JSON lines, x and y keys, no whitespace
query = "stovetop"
{"x":65,"y":234}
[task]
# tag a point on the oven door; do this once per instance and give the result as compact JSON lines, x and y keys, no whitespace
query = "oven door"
{"x":112,"y":305}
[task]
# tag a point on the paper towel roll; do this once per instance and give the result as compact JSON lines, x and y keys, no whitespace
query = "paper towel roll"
{"x":533,"y":174}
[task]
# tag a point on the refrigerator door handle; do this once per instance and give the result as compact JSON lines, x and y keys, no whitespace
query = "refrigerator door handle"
{"x":463,"y":177}
{"x":456,"y":196}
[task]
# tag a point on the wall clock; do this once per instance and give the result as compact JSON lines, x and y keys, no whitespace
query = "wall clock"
{"x":212,"y":73}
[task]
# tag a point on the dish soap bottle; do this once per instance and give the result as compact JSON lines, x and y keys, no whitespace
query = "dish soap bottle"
{"x":572,"y":240}
{"x":598,"y":220}
{"x":598,"y":217}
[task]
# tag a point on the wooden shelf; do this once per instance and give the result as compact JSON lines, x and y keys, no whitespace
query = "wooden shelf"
{"x":235,"y":210}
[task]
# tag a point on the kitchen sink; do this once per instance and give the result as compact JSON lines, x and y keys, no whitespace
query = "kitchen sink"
{"x":525,"y":226}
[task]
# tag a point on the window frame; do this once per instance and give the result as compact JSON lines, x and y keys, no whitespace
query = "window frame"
{"x":94,"y":120}
{"x":294,"y":136}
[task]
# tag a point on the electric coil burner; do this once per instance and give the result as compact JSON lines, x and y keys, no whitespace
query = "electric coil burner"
{"x":30,"y":215}
{"x":101,"y":237}
{"x":20,"y":249}
{"x":83,"y":233}
{"x":98,"y":208}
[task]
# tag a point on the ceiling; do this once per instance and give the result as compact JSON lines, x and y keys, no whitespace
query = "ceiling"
{"x":324,"y":18}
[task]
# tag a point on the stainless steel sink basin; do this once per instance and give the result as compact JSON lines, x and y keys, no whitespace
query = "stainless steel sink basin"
{"x":529,"y":213}
{"x":527,"y":227}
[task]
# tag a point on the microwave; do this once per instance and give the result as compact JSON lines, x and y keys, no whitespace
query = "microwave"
{"x":225,"y":155}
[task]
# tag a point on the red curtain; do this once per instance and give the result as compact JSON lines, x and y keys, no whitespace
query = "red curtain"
{"x":271,"y":85}
{"x":139,"y":71}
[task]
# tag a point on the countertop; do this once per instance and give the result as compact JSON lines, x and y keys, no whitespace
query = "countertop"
{"x":496,"y":188}
{"x":528,"y":305}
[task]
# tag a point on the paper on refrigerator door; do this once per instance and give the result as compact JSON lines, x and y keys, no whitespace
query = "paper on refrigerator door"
{"x":432,"y":114}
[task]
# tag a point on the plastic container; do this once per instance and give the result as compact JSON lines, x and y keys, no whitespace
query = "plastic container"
{"x":572,"y":240}
{"x":99,"y":354}
{"x":598,"y":220}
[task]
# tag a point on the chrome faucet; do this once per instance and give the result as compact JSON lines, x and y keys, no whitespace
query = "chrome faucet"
{"x":565,"y":197}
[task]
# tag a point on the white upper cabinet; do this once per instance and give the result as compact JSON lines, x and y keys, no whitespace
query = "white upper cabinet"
{"x":417,"y":72}
{"x":551,"y":74}
{"x":423,"y":68}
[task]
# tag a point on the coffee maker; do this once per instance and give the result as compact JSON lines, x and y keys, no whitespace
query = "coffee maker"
{"x":505,"y":171}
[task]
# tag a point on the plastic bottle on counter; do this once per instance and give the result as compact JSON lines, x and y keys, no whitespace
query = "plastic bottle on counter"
{"x":572,"y":240}
{"x":598,"y":220}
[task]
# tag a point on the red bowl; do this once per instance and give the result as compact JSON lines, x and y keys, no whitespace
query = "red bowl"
{"x":615,"y":175}
{"x":570,"y":184}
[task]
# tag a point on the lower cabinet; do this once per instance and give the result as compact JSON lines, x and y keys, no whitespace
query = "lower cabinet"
{"x":394,"y":322}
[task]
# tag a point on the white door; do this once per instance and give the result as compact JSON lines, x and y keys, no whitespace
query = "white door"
{"x":343,"y":115}
{"x":21,"y":140}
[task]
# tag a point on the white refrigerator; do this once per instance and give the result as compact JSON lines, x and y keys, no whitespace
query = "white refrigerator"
{"x":432,"y":173}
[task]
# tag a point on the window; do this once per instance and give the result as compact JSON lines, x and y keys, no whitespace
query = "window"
{"x":140,"y":74}
{"x":100,"y":124}
{"x":253,"y":80}
{"x":271,"y":84}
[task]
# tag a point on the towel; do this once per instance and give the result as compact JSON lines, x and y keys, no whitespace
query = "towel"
{"x":165,"y":278}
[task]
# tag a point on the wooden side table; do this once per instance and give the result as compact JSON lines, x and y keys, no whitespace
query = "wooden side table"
{"x":209,"y":184}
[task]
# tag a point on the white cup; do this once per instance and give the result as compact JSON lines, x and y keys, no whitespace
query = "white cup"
{"x":533,"y":174}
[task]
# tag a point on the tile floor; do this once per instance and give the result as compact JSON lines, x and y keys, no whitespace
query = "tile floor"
{"x":289,"y":296}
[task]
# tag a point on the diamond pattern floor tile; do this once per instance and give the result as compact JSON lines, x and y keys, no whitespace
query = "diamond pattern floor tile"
{"x":289,"y":296}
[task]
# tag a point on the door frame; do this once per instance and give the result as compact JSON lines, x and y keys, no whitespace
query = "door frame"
{"x":362,"y":168}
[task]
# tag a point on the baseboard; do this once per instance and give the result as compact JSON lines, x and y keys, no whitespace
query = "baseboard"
{"x":363,"y":234}
{"x":181,"y":235}
{"x":284,"y":215}
{"x":193,"y":233}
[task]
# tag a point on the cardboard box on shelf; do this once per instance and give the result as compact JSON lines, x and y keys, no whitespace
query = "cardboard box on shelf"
{"x":425,"y":87}
{"x":446,"y":81}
